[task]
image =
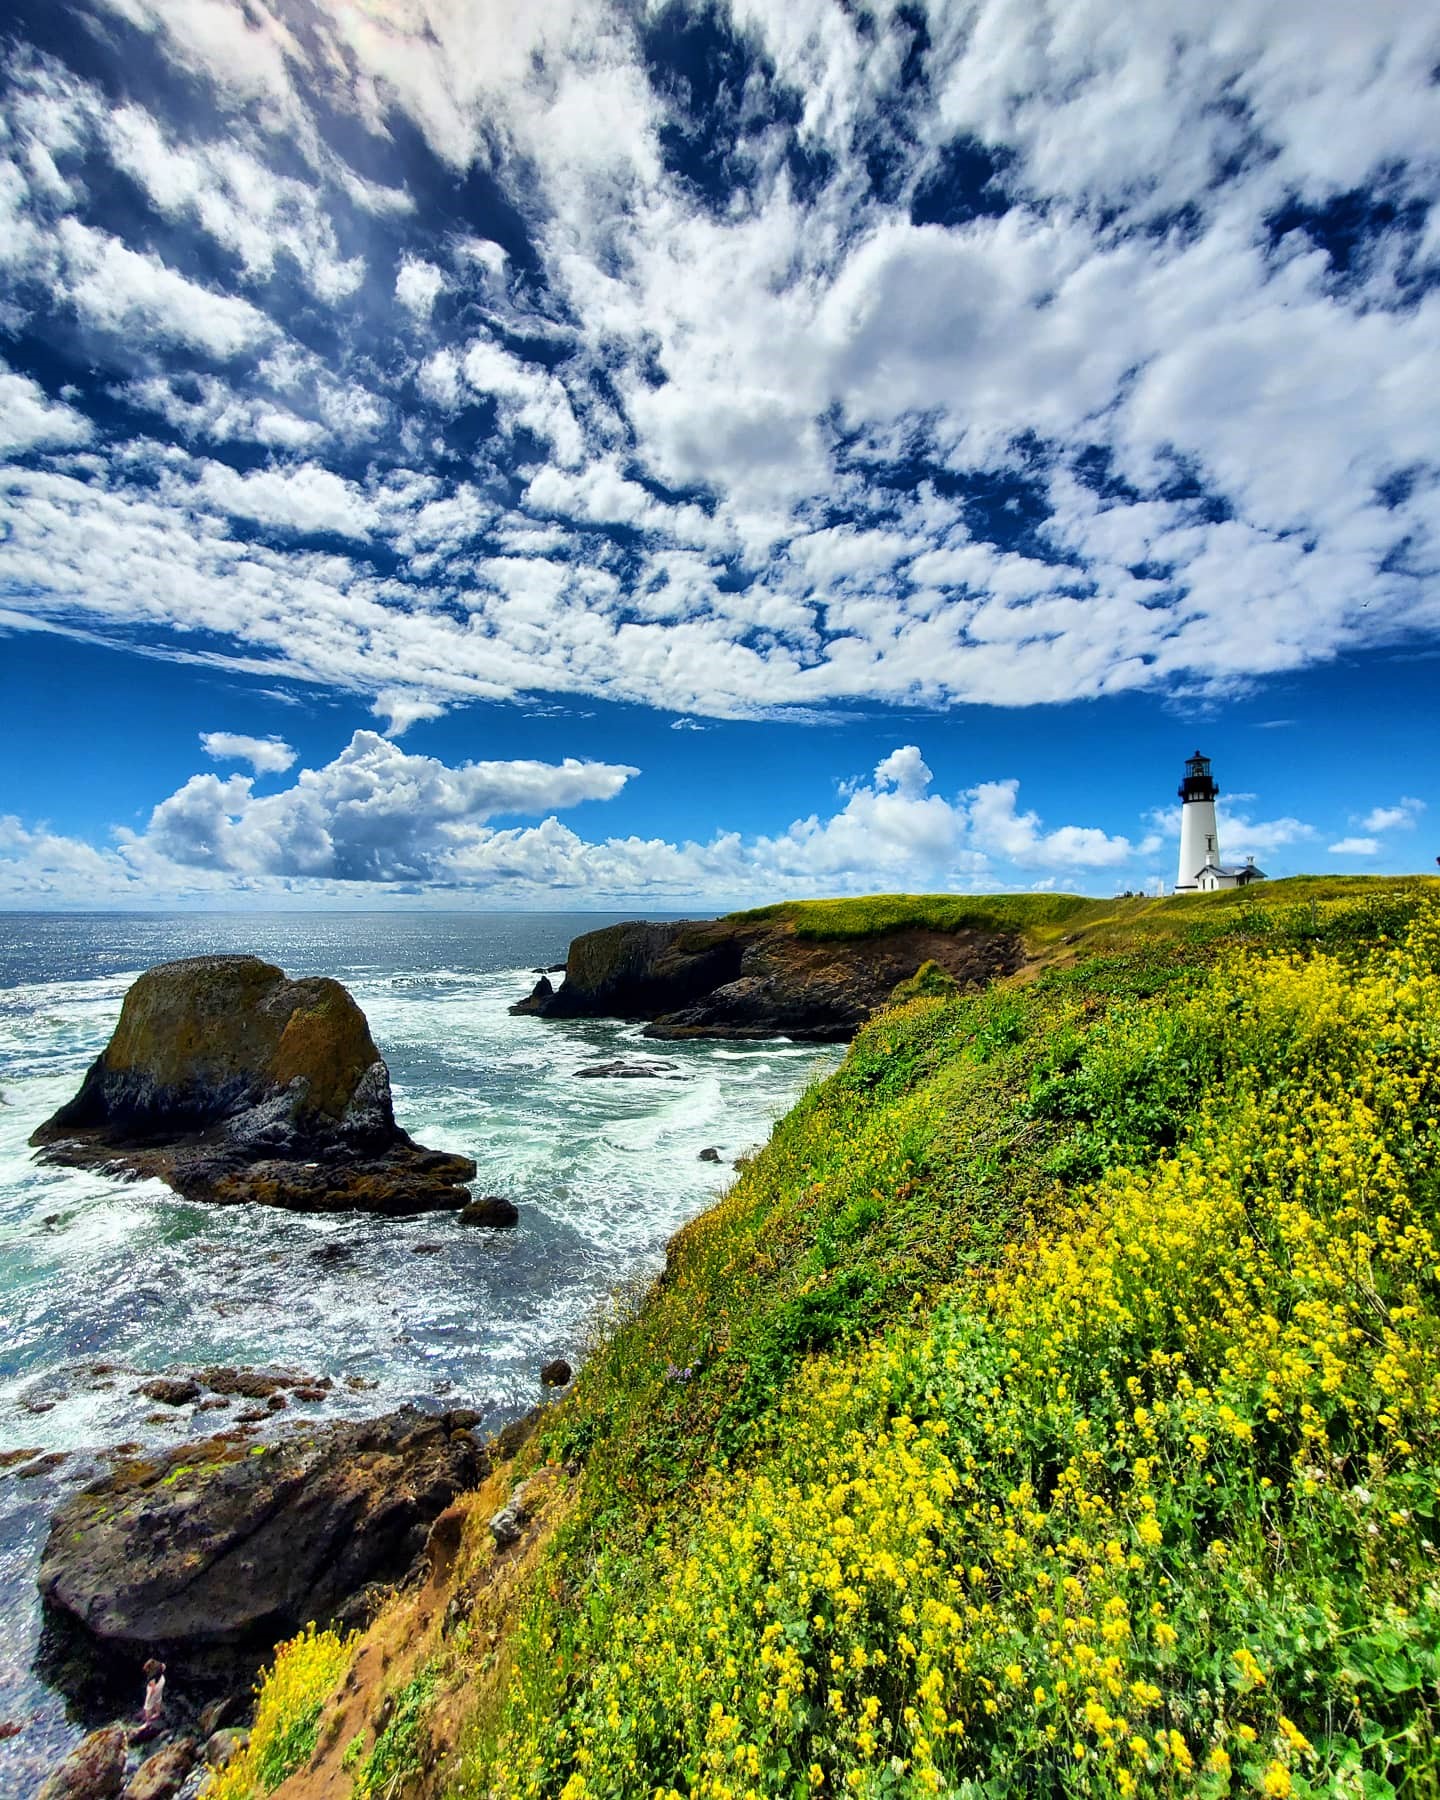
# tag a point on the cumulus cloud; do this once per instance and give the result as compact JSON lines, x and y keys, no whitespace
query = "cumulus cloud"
{"x":1400,"y":817}
{"x":266,"y":756}
{"x":379,"y":816}
{"x":375,"y":813}
{"x":1356,"y":846}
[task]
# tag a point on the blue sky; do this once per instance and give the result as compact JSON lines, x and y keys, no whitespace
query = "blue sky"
{"x":463,"y":453}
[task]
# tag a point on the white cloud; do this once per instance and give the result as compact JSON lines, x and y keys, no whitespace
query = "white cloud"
{"x":1356,"y":846}
{"x":825,"y":369}
{"x":28,"y":419}
{"x":375,"y":813}
{"x":998,"y":829}
{"x":418,"y":286}
{"x":266,"y":756}
{"x":1400,"y":817}
{"x":379,"y":815}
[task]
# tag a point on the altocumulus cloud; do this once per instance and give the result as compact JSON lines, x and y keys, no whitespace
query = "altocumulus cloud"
{"x":377,"y":816}
{"x":998,"y":351}
{"x":266,"y":756}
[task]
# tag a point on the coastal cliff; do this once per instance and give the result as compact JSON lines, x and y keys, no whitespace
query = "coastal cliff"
{"x":1034,"y":1356}
{"x":753,"y":977}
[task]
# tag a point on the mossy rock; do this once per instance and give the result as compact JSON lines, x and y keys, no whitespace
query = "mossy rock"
{"x":929,"y":982}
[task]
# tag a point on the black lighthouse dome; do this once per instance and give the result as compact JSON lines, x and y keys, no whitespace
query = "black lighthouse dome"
{"x":1199,"y":783}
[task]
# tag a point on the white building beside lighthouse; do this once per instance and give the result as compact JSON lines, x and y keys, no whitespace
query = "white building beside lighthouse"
{"x":1201,"y":870}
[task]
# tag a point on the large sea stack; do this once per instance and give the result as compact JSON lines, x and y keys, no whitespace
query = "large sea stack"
{"x":232,"y":1083}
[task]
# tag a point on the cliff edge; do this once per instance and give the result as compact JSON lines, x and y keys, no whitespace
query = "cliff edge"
{"x":745,"y":977}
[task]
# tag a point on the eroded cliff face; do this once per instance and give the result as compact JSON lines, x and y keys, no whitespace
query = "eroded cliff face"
{"x":737,"y":978}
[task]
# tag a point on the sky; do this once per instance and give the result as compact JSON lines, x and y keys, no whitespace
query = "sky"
{"x":482,"y":454}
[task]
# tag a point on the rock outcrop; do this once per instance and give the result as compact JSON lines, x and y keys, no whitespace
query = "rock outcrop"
{"x":755,"y":978}
{"x":210,"y":1554}
{"x":232,"y":1083}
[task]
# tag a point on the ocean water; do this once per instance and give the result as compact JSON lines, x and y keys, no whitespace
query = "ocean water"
{"x":104,"y":1283}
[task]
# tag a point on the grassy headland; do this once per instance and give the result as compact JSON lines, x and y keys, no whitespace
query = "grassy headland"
{"x":1050,"y":1408}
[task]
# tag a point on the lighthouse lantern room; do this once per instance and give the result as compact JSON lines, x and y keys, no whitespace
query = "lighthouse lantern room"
{"x":1201,"y":869}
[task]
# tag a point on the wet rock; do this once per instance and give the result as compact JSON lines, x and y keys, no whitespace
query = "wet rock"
{"x":491,"y":1210}
{"x":710,"y":1154}
{"x":44,"y":1465}
{"x":632,"y":1071}
{"x":9,"y":1458}
{"x":427,"y":1249}
{"x":171,"y":1390}
{"x":210,"y":1553}
{"x":9,"y":1729}
{"x":94,"y":1769}
{"x":216,"y":1403}
{"x":462,"y":1418}
{"x":232,"y":1084}
{"x":310,"y":1395}
{"x":556,"y":1373}
{"x":225,"y":1744}
{"x":537,"y":999}
{"x":332,"y":1253}
{"x":161,"y":1776}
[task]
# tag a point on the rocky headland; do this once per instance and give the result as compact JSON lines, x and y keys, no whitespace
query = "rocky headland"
{"x":205,"y":1555}
{"x":232,"y":1083}
{"x":741,"y":977}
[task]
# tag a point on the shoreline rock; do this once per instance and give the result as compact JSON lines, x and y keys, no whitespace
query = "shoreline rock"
{"x":744,"y":979}
{"x":234,"y":1084}
{"x":209,"y":1554}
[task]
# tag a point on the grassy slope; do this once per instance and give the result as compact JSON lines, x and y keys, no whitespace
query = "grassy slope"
{"x":876,"y":1492}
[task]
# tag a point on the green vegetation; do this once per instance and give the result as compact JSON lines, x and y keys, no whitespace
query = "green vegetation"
{"x":397,"y":1752}
{"x":929,"y":982}
{"x":290,"y":1699}
{"x":1050,"y":1408}
{"x":1051,"y":920}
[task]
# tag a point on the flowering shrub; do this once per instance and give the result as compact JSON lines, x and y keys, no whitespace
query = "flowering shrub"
{"x":1142,"y":1504}
{"x":290,"y":1697}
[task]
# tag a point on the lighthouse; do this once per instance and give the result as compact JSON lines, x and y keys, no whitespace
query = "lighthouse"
{"x":1199,"y":834}
{"x":1200,"y":866}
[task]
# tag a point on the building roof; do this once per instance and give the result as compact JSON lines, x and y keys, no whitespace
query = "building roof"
{"x":1235,"y":870}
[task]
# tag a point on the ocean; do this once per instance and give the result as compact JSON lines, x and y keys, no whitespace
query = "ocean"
{"x":105,"y":1283}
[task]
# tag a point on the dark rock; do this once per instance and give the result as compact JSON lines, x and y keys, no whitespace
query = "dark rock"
{"x":45,"y":1465}
{"x":208,"y":1554}
{"x":537,"y":999}
{"x":161,"y":1776}
{"x":332,"y":1253}
{"x":217,"y":1403}
{"x":232,"y":1084}
{"x":94,"y":1769}
{"x":224,"y":1711}
{"x":491,"y":1210}
{"x":710,"y":1154}
{"x":277,"y":1403}
{"x":426,"y":1249}
{"x":511,"y":1439}
{"x":225,"y":1744}
{"x":8,"y":1458}
{"x":634,"y":1071}
{"x":171,"y":1390}
{"x":310,"y":1395}
{"x":9,"y":1729}
{"x":556,"y":1373}
{"x":754,"y":978}
{"x":462,"y":1418}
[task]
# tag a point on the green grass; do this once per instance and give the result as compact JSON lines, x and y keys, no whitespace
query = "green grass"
{"x":1050,"y":920}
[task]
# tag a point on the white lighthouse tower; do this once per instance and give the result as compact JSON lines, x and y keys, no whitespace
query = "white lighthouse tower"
{"x":1201,"y":869}
{"x":1199,"y":834}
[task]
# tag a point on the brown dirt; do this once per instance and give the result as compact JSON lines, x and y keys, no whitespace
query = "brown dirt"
{"x":469,"y":1577}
